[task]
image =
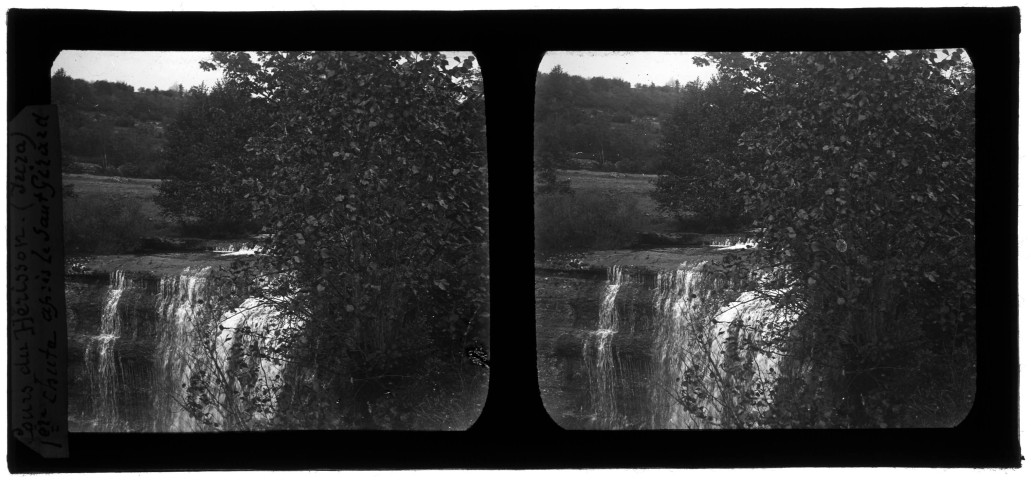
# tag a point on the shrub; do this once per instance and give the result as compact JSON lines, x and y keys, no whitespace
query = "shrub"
{"x":129,"y":170}
{"x":124,"y":121}
{"x":99,"y":225}
{"x":584,"y":220}
{"x":627,"y":166}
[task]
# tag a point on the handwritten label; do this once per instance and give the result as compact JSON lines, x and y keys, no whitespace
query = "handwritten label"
{"x":37,"y":331}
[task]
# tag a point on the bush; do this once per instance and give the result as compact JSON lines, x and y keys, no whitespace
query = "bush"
{"x":129,"y":170}
{"x":584,"y":220}
{"x":627,"y":166}
{"x":100,"y":225}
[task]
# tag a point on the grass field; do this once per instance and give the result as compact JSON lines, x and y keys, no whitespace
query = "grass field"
{"x":626,"y":185}
{"x":140,"y":191}
{"x":639,"y":186}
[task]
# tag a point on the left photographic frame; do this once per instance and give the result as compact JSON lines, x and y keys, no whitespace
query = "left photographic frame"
{"x":274,"y":240}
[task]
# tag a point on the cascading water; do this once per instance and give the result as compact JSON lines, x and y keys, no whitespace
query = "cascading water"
{"x":643,"y":364}
{"x":733,"y":243}
{"x":254,"y":326}
{"x":598,"y":353}
{"x":155,"y":336}
{"x":235,"y":249}
{"x":100,"y":357}
{"x":179,"y":303}
{"x":678,"y":300}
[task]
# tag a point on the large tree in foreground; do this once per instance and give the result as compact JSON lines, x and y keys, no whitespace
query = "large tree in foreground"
{"x":374,"y":209}
{"x":860,"y":179}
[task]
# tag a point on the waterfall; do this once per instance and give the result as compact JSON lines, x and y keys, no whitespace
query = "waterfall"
{"x":179,"y":304}
{"x":686,"y":346}
{"x":710,"y":352}
{"x":747,"y":320}
{"x":100,"y":357}
{"x":160,"y":348}
{"x":233,"y":249}
{"x":678,"y":300}
{"x":249,"y":350}
{"x":598,"y":353}
{"x":737,"y":243}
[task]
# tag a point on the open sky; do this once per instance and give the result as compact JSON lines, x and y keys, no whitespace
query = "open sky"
{"x":139,"y":69}
{"x":634,"y":67}
{"x":146,"y":69}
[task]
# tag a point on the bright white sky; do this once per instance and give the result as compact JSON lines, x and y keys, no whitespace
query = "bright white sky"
{"x":149,"y":69}
{"x":139,"y":69}
{"x":634,"y":67}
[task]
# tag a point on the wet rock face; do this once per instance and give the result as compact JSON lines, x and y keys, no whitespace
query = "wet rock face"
{"x":118,"y":329}
{"x":576,"y":360}
{"x":128,"y":343}
{"x":566,"y":306}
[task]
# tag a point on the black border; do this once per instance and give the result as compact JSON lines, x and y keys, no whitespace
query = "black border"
{"x":514,"y":431}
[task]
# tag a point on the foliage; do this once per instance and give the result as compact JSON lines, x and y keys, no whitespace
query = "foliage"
{"x":109,"y":124}
{"x":100,"y":225}
{"x":700,"y":141}
{"x":862,"y":190}
{"x":600,"y":119}
{"x":206,"y":160}
{"x":373,"y":202}
{"x":585,"y":220}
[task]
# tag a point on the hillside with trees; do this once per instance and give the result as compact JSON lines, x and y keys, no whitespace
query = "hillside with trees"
{"x":112,"y":128}
{"x":599,"y":123}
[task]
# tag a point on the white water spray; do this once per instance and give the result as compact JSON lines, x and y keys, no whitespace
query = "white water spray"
{"x":598,"y":350}
{"x":179,"y":303}
{"x":100,"y":358}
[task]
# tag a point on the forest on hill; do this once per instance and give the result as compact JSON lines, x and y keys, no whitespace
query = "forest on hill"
{"x":112,"y":128}
{"x":601,"y":123}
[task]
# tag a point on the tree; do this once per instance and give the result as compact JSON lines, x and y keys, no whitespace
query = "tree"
{"x":699,"y":144}
{"x":863,"y":197}
{"x":601,"y":118}
{"x":374,"y":206}
{"x":209,"y":174}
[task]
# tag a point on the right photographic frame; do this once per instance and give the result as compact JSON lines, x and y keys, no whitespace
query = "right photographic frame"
{"x":756,"y":240}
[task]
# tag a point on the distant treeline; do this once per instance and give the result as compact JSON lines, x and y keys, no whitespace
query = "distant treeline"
{"x":111,"y":128}
{"x":600,"y":123}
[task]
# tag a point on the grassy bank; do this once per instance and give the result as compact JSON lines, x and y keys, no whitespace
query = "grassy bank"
{"x":110,"y":214}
